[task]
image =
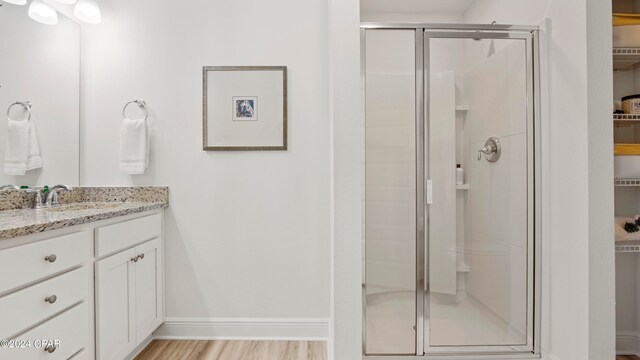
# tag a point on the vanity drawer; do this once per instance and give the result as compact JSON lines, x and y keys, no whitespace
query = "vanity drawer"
{"x":116,"y":237}
{"x":22,"y":309}
{"x":26,"y":263}
{"x":70,"y":329}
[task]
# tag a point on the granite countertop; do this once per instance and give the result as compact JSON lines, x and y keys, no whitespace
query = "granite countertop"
{"x":84,"y":206}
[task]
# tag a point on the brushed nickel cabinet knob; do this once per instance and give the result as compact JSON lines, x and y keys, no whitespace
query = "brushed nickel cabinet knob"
{"x":51,"y":258}
{"x":51,"y":299}
{"x":50,"y":349}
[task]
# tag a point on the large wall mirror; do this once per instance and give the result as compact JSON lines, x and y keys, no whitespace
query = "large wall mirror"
{"x":39,"y":94}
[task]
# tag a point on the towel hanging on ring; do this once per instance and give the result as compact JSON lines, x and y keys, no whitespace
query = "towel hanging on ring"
{"x":134,"y":142}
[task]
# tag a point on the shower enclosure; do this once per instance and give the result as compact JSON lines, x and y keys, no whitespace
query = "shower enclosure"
{"x":451,"y":270}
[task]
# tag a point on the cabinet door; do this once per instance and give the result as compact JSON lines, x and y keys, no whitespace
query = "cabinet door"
{"x":149,"y":300}
{"x":115,"y":306}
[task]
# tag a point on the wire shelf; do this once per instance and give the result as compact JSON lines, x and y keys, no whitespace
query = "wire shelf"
{"x":621,"y":120}
{"x":625,"y":58}
{"x":627,"y":182}
{"x":627,"y":248}
{"x":626,"y":117}
{"x":626,"y":51}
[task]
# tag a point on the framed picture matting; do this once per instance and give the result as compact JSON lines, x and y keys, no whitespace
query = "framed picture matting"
{"x":244,"y":108}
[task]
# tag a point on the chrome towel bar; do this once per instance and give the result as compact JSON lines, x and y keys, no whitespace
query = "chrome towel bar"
{"x":25,"y":104}
{"x":141,"y":104}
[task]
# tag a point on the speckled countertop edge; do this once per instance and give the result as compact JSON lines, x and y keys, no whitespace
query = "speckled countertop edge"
{"x":104,"y":203}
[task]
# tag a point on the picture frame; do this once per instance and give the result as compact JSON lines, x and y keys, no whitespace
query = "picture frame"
{"x":244,"y":108}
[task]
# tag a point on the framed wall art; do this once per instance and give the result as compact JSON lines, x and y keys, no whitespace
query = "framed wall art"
{"x":244,"y":108}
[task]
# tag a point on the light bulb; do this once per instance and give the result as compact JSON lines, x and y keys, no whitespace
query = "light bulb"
{"x":67,"y":2}
{"x":16,"y":2}
{"x":43,"y":13}
{"x":88,"y":11}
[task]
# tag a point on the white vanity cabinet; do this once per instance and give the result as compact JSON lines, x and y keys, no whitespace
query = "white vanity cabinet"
{"x":95,"y":288}
{"x":129,"y":285}
{"x":45,"y":294}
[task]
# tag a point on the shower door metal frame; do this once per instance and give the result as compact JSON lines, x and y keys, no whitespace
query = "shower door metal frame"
{"x":423,"y":34}
{"x":531,"y":59}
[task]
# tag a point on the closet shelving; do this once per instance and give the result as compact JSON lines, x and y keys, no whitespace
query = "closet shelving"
{"x":621,"y":120}
{"x":627,"y":182}
{"x":627,"y":247}
{"x":625,"y":58}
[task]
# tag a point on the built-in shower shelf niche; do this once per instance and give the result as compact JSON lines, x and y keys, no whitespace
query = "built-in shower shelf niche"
{"x":625,"y":58}
{"x":620,"y":120}
{"x":627,"y":182}
{"x":463,"y":187}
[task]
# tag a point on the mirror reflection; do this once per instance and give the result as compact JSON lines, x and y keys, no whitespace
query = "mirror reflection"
{"x":40,"y":97}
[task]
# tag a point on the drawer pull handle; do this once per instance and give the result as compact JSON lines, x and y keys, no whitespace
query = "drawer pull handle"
{"x":50,"y":349}
{"x":141,"y":256}
{"x":51,"y":299}
{"x":51,"y":258}
{"x":134,"y":259}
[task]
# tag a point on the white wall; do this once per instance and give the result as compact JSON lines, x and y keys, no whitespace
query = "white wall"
{"x":346,"y":116}
{"x":419,"y":17}
{"x":246,"y":232}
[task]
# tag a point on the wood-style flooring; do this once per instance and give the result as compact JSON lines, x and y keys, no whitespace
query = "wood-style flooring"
{"x":234,"y":350}
{"x":627,"y":357}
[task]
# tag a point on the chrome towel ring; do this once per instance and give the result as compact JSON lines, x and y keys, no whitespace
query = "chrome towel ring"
{"x":141,"y":104}
{"x":25,"y":104}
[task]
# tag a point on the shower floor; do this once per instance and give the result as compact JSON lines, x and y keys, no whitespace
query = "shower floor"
{"x":461,"y":322}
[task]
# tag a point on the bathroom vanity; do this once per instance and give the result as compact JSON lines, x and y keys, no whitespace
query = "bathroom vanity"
{"x":83,"y":280}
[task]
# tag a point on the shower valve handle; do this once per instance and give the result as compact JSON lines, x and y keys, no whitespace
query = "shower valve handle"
{"x":487,"y":150}
{"x":492,"y":150}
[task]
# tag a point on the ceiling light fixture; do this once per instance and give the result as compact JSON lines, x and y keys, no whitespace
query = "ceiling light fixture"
{"x":88,"y":11}
{"x":43,"y":13}
{"x":16,"y":2}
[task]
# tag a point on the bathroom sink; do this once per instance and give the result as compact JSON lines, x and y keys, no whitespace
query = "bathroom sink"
{"x":82,"y":206}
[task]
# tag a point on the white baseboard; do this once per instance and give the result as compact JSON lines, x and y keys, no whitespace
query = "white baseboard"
{"x":628,"y":343}
{"x":243,"y":329}
{"x":140,"y":347}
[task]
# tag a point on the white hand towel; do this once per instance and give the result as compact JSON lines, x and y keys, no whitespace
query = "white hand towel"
{"x":134,"y":147}
{"x":20,"y":135}
{"x":34,"y":160}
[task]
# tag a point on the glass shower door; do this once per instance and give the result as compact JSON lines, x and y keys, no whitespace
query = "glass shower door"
{"x":449,"y":267}
{"x":390,"y":193}
{"x":480,"y":238}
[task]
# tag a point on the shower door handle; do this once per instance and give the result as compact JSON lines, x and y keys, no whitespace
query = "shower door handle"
{"x":428,"y":192}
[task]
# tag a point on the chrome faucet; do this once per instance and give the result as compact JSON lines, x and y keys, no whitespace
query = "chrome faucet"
{"x":8,"y":187}
{"x":37,"y":201}
{"x":52,"y":195}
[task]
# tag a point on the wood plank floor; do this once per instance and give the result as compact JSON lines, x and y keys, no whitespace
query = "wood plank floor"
{"x":234,"y":350}
{"x":627,"y":357}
